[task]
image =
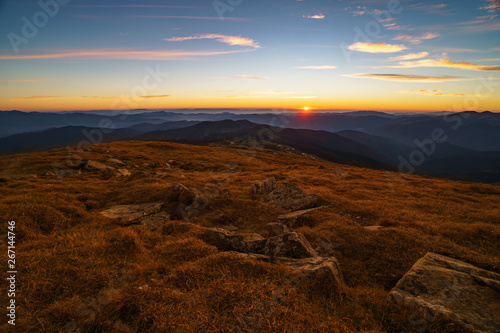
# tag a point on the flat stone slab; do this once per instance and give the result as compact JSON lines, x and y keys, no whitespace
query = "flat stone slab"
{"x":131,"y":213}
{"x":297,"y":218}
{"x":156,"y":221}
{"x":291,"y":197}
{"x":462,"y":293}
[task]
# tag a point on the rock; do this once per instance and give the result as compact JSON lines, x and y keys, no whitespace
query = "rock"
{"x":462,"y":293}
{"x":68,"y":173}
{"x":373,"y":227}
{"x":162,"y":175}
{"x":292,"y":245}
{"x":291,"y":197}
{"x":115,"y":161}
{"x":155,"y":222}
{"x":123,"y":173}
{"x":323,"y":272}
{"x":146,"y":165}
{"x":168,"y":165}
{"x":130,"y":214}
{"x":49,"y":173}
{"x":94,"y":165}
{"x":182,"y":194}
{"x":230,"y":227}
{"x":298,"y":218}
{"x":263,"y":187}
{"x":276,"y":229}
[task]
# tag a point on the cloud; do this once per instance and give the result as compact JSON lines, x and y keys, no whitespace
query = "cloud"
{"x":433,"y":9}
{"x":272,"y":92}
{"x":251,"y":77}
{"x":316,"y":17}
{"x":410,"y":56}
{"x":316,"y":67}
{"x":411,"y":78}
{"x":358,"y":10}
{"x":213,"y":18}
{"x":230,"y":40}
{"x":120,"y":54}
{"x":86,"y":97}
{"x":303,"y":97}
{"x":376,"y":47}
{"x":416,"y":39}
{"x":447,"y":63}
{"x":436,"y":93}
{"x":492,"y":6}
{"x":24,"y":80}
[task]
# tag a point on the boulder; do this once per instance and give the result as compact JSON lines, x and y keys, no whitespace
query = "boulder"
{"x":466,"y":295}
{"x":276,"y":229}
{"x":291,"y":197}
{"x":115,"y":161}
{"x":94,"y":165}
{"x":155,"y":222}
{"x":130,"y":214}
{"x":292,"y":245}
{"x":68,"y":173}
{"x":321,"y":273}
{"x":123,"y":173}
{"x":297,"y":218}
{"x":182,"y":194}
{"x":263,"y":187}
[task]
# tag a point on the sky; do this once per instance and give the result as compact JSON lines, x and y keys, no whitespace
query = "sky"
{"x":387,"y":55}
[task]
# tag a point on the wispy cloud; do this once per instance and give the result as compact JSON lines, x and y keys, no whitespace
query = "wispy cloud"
{"x":376,"y":47}
{"x":24,"y":80}
{"x":210,"y":18}
{"x":436,"y":93}
{"x":358,"y":10}
{"x":315,"y":17}
{"x":447,"y":63}
{"x":410,"y":56}
{"x":231,"y":40}
{"x":411,"y":78}
{"x":416,"y":39}
{"x":316,"y":67}
{"x":86,"y":97}
{"x":120,"y":54}
{"x":492,"y":6}
{"x":431,"y":8}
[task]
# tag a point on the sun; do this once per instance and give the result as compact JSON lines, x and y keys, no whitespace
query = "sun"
{"x":306,"y":108}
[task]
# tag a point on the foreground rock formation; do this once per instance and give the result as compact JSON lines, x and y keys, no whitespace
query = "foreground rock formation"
{"x":465,"y":294}
{"x":128,"y":214}
{"x":290,"y":197}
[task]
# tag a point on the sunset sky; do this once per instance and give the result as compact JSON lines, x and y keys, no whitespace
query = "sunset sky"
{"x":282,"y":54}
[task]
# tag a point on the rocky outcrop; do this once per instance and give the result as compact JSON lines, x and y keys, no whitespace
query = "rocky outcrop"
{"x":276,"y":229}
{"x":462,"y":293}
{"x":321,"y":273}
{"x":94,"y":165}
{"x":130,"y":214}
{"x":123,"y":173}
{"x":292,"y":244}
{"x":263,"y":187}
{"x":298,"y":218}
{"x":115,"y":162}
{"x":182,"y":194}
{"x":155,"y":222}
{"x":68,"y":173}
{"x":291,"y":197}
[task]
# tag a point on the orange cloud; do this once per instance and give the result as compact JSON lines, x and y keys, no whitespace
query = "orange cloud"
{"x":120,"y":54}
{"x":86,"y":97}
{"x":376,"y":47}
{"x":416,"y":39}
{"x":231,"y":40}
{"x":316,"y":17}
{"x":444,"y":62}
{"x":410,"y":78}
{"x":436,"y":93}
{"x":410,"y":56}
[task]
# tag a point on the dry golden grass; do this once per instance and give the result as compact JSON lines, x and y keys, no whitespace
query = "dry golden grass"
{"x":79,"y":269}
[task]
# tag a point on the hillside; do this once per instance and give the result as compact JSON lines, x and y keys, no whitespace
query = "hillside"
{"x":78,"y":269}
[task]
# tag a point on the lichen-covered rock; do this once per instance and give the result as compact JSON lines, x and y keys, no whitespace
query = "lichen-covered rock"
{"x":292,"y":245}
{"x":276,"y":229}
{"x":155,"y":222}
{"x":462,"y":293}
{"x":129,"y":214}
{"x":182,"y":194}
{"x":123,"y":173}
{"x":225,"y":240}
{"x":298,"y":218}
{"x":94,"y":165}
{"x":264,"y":187}
{"x":291,"y":197}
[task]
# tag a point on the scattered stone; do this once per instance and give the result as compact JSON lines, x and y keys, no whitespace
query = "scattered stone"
{"x":68,"y":173}
{"x":196,"y":207}
{"x":162,"y":175}
{"x":76,"y":163}
{"x":182,"y":193}
{"x":146,"y":165}
{"x":276,"y":229}
{"x":94,"y":165}
{"x":373,"y":227}
{"x":462,"y":293}
{"x":230,"y":227}
{"x":297,"y":218}
{"x":168,"y":165}
{"x":264,"y":187}
{"x":123,"y":173}
{"x":292,"y":244}
{"x":115,"y":161}
{"x":155,"y":222}
{"x":291,"y":197}
{"x":130,"y":214}
{"x":325,"y":270}
{"x":49,"y":173}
